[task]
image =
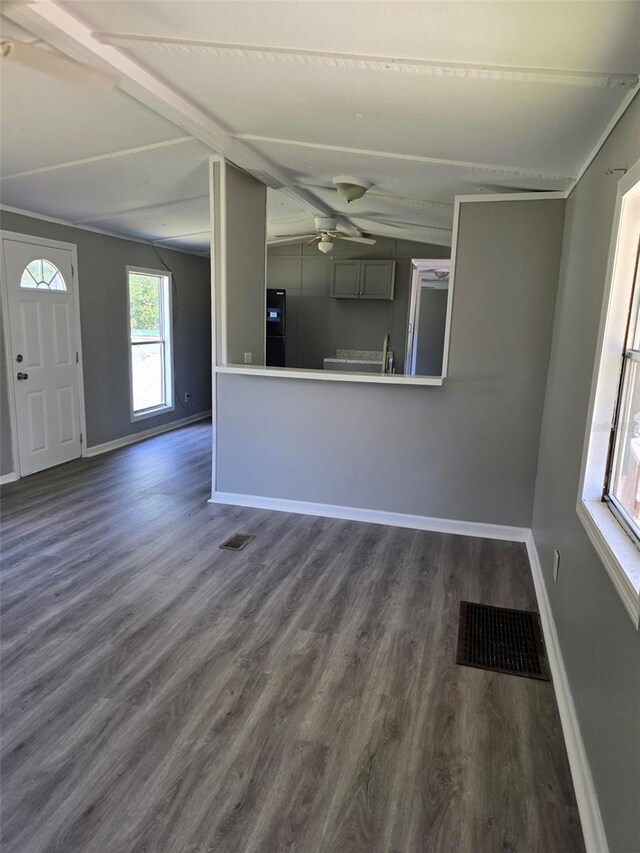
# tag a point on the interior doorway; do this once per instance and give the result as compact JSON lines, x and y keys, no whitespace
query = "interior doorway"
{"x":44,"y":364}
{"x":427,"y":317}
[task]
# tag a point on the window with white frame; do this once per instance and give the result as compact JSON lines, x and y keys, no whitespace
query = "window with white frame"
{"x":150,"y":342}
{"x":622,"y":483}
{"x":609,"y":497}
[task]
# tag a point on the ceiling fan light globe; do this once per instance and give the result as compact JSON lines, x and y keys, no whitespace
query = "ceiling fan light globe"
{"x":350,"y":192}
{"x":350,"y":188}
{"x":325,"y":246}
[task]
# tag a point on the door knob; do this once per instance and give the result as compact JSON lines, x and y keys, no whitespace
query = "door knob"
{"x":19,"y":357}
{"x":22,"y":376}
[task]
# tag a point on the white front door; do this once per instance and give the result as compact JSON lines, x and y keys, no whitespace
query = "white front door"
{"x":43,"y":365}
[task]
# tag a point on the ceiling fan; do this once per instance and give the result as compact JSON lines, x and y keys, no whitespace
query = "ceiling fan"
{"x":35,"y":55}
{"x":325,"y":236}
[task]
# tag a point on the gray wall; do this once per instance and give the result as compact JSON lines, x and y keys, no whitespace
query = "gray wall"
{"x":102,"y":265}
{"x":317,"y":325}
{"x":600,"y":646}
{"x":431,"y":330}
{"x":467,"y":450}
{"x":245,"y":253}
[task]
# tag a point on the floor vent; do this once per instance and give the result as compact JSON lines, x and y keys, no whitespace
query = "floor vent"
{"x":237,"y":542}
{"x":501,"y":640}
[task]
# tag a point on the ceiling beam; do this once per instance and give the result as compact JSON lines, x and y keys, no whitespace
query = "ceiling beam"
{"x":412,"y":200}
{"x":111,"y":155}
{"x":206,"y":233}
{"x":157,"y":207}
{"x":34,"y":214}
{"x":388,"y":64}
{"x":513,"y":171}
{"x":55,"y":25}
{"x":399,"y":223}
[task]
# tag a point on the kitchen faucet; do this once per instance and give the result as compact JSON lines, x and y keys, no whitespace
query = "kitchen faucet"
{"x":385,"y":352}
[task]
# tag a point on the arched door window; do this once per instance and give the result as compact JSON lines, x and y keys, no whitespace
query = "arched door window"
{"x":42,"y":275}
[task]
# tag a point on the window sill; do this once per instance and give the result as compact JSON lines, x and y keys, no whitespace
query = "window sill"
{"x":619,"y":554}
{"x":151,"y":413}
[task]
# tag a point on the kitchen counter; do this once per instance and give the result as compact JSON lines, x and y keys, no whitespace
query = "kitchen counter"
{"x":358,"y":361}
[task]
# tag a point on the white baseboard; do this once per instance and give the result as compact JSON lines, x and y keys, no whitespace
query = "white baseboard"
{"x":592,"y":827}
{"x":375,"y":516}
{"x":98,"y":449}
{"x":8,"y":478}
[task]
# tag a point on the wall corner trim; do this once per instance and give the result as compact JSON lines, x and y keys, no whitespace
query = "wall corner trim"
{"x":11,"y":477}
{"x":590,"y":818}
{"x":132,"y":438}
{"x":375,"y":516}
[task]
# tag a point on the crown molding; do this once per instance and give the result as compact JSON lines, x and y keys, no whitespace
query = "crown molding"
{"x":389,"y":64}
{"x":532,"y":196}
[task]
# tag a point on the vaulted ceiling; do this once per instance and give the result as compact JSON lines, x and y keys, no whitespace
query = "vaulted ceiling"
{"x":423,"y":100}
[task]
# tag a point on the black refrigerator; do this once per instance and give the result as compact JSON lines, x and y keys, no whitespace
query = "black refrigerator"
{"x":276,"y":327}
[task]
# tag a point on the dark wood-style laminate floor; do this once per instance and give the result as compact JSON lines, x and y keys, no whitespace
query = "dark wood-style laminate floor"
{"x":160,"y":694}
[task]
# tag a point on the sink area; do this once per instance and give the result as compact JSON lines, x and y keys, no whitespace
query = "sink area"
{"x":358,"y":361}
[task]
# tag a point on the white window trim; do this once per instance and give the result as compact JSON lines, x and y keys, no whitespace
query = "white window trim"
{"x":618,"y":552}
{"x":169,"y":405}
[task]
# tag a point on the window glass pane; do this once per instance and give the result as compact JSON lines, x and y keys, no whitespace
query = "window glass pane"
{"x":35,"y":268}
{"x":57,"y":282}
{"x":625,"y":481}
{"x":147,"y":373}
{"x":145,"y":294}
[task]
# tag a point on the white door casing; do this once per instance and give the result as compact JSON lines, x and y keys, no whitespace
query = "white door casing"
{"x":43,"y":355}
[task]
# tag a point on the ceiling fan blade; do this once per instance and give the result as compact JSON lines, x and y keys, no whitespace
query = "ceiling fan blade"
{"x":368,"y":240}
{"x":57,"y":65}
{"x":289,"y":241}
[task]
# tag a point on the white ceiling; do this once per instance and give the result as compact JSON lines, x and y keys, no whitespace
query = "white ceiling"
{"x":424,"y":100}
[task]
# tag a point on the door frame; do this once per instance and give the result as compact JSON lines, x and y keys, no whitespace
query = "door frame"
{"x":418,"y":266}
{"x":4,"y":294}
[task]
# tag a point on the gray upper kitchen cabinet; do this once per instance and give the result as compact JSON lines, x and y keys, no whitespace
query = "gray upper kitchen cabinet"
{"x":346,"y":279}
{"x":363,"y":279}
{"x":376,"y":279}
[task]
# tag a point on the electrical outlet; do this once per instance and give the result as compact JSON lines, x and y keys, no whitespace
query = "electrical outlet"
{"x":248,"y":357}
{"x":556,"y":565}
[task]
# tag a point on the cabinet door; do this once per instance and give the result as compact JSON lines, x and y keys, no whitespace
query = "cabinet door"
{"x":346,"y":279}
{"x":377,"y":279}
